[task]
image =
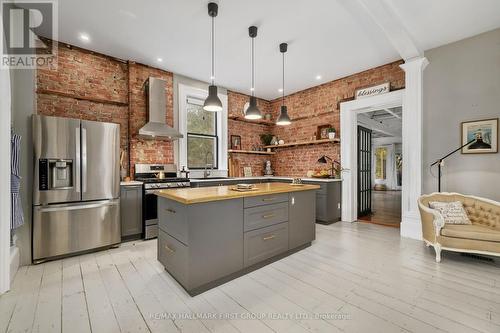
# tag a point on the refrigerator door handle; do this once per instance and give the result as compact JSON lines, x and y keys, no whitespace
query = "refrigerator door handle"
{"x":59,"y":208}
{"x":84,"y":159}
{"x":78,"y":160}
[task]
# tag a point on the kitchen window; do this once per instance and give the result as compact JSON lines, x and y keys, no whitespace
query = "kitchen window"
{"x":202,"y":138}
{"x":205,"y":133}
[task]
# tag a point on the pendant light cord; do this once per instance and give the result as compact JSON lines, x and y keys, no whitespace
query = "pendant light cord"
{"x":283,"y":86}
{"x":213,"y":51}
{"x":253,"y":66}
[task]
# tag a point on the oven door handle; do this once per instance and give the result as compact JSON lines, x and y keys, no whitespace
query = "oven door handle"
{"x":150,"y":191}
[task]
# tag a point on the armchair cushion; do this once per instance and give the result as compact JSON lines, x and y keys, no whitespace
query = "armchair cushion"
{"x":452,"y":212}
{"x":472,"y":231}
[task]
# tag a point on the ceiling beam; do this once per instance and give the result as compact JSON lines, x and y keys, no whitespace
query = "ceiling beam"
{"x":384,"y":15}
{"x":376,"y":126}
{"x":393,"y":113}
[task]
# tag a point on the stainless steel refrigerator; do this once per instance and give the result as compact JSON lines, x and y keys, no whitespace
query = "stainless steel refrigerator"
{"x":76,"y":190}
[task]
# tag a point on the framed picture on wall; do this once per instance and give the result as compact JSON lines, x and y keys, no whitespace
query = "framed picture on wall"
{"x":322,"y":132}
{"x":485,"y":134}
{"x":236,"y":142}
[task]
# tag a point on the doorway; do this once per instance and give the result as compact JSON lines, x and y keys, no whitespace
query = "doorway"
{"x":369,"y":113}
{"x":385,"y":166}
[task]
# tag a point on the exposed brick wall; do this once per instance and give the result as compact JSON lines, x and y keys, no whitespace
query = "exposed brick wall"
{"x":236,"y":102}
{"x":84,"y":73}
{"x":147,"y":151}
{"x":320,"y":106}
{"x":249,"y":132}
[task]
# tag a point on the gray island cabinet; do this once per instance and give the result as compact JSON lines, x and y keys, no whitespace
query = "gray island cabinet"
{"x":208,"y":236}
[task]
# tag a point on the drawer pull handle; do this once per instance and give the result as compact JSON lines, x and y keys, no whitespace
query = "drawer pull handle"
{"x":169,"y":250}
{"x":269,"y":237}
{"x":268,"y":216}
{"x":267,"y":199}
{"x":170,"y":210}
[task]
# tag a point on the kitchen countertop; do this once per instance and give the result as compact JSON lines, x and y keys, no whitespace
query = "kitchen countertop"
{"x":324,"y":180}
{"x":207,"y":194}
{"x":131,"y":183}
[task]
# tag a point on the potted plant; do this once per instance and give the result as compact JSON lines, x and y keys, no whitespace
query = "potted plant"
{"x":266,"y":140}
{"x":331,"y":133}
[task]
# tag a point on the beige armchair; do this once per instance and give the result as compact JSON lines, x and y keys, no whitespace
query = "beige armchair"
{"x":482,"y":236}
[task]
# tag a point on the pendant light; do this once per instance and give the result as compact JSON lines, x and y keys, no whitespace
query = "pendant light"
{"x":253,"y":111}
{"x":212,"y":103}
{"x":283,"y":119}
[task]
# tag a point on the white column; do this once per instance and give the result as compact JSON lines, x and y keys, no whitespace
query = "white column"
{"x":412,"y":146}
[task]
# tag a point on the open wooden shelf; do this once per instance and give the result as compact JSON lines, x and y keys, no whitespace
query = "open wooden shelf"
{"x":256,"y":121}
{"x":304,"y":143}
{"x":250,"y":152}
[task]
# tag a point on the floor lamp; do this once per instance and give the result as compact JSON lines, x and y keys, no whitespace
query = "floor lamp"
{"x":440,"y":161}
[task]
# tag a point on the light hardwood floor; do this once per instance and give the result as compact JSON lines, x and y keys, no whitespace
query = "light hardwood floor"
{"x":386,"y":208}
{"x":366,"y":273}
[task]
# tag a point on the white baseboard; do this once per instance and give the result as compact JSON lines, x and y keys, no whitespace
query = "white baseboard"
{"x":411,"y":227}
{"x":14,"y":262}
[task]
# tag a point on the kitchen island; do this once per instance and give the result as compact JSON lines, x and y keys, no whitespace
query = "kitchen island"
{"x":210,"y":235}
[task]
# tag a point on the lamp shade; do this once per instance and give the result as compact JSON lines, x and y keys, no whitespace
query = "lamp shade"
{"x":283,"y":119}
{"x":212,"y":103}
{"x":323,"y":159}
{"x":253,"y":111}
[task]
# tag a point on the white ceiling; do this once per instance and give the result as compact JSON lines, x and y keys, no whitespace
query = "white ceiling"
{"x":331,"y":38}
{"x":385,"y":124}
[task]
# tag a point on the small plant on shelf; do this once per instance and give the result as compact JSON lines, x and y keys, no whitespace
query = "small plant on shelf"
{"x":331,"y":133}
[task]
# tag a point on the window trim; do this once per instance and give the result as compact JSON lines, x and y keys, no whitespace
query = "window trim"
{"x":185,"y":92}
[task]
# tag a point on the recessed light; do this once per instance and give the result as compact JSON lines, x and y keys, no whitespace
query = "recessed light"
{"x":280,"y":90}
{"x":159,"y":59}
{"x":318,"y":77}
{"x":85,"y":37}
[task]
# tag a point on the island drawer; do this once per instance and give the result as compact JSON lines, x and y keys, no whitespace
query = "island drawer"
{"x":265,"y":200}
{"x":174,"y":256}
{"x":265,"y":243}
{"x":264,"y":216}
{"x":172,"y":219}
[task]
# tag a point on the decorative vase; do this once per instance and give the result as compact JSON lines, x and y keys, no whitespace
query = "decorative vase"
{"x":331,"y":135}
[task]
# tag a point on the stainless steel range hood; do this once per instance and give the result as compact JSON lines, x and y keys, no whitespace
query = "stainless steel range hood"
{"x":156,"y":127}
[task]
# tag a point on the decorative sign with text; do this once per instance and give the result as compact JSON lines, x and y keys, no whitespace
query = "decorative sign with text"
{"x":372,"y":91}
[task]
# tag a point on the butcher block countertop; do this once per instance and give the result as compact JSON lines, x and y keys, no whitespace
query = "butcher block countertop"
{"x":206,"y":194}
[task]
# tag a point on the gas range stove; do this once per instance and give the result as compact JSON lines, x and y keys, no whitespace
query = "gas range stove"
{"x":155,"y":177}
{"x":149,"y":174}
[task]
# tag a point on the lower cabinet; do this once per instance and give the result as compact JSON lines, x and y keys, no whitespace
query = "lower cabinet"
{"x":328,"y":201}
{"x":174,"y":256}
{"x":265,"y":243}
{"x":131,"y":211}
{"x":301,"y":221}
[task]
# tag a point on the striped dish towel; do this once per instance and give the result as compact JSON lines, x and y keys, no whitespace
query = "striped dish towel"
{"x":17,"y":218}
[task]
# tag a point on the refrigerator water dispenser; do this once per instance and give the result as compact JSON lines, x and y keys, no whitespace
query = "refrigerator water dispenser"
{"x":55,"y":174}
